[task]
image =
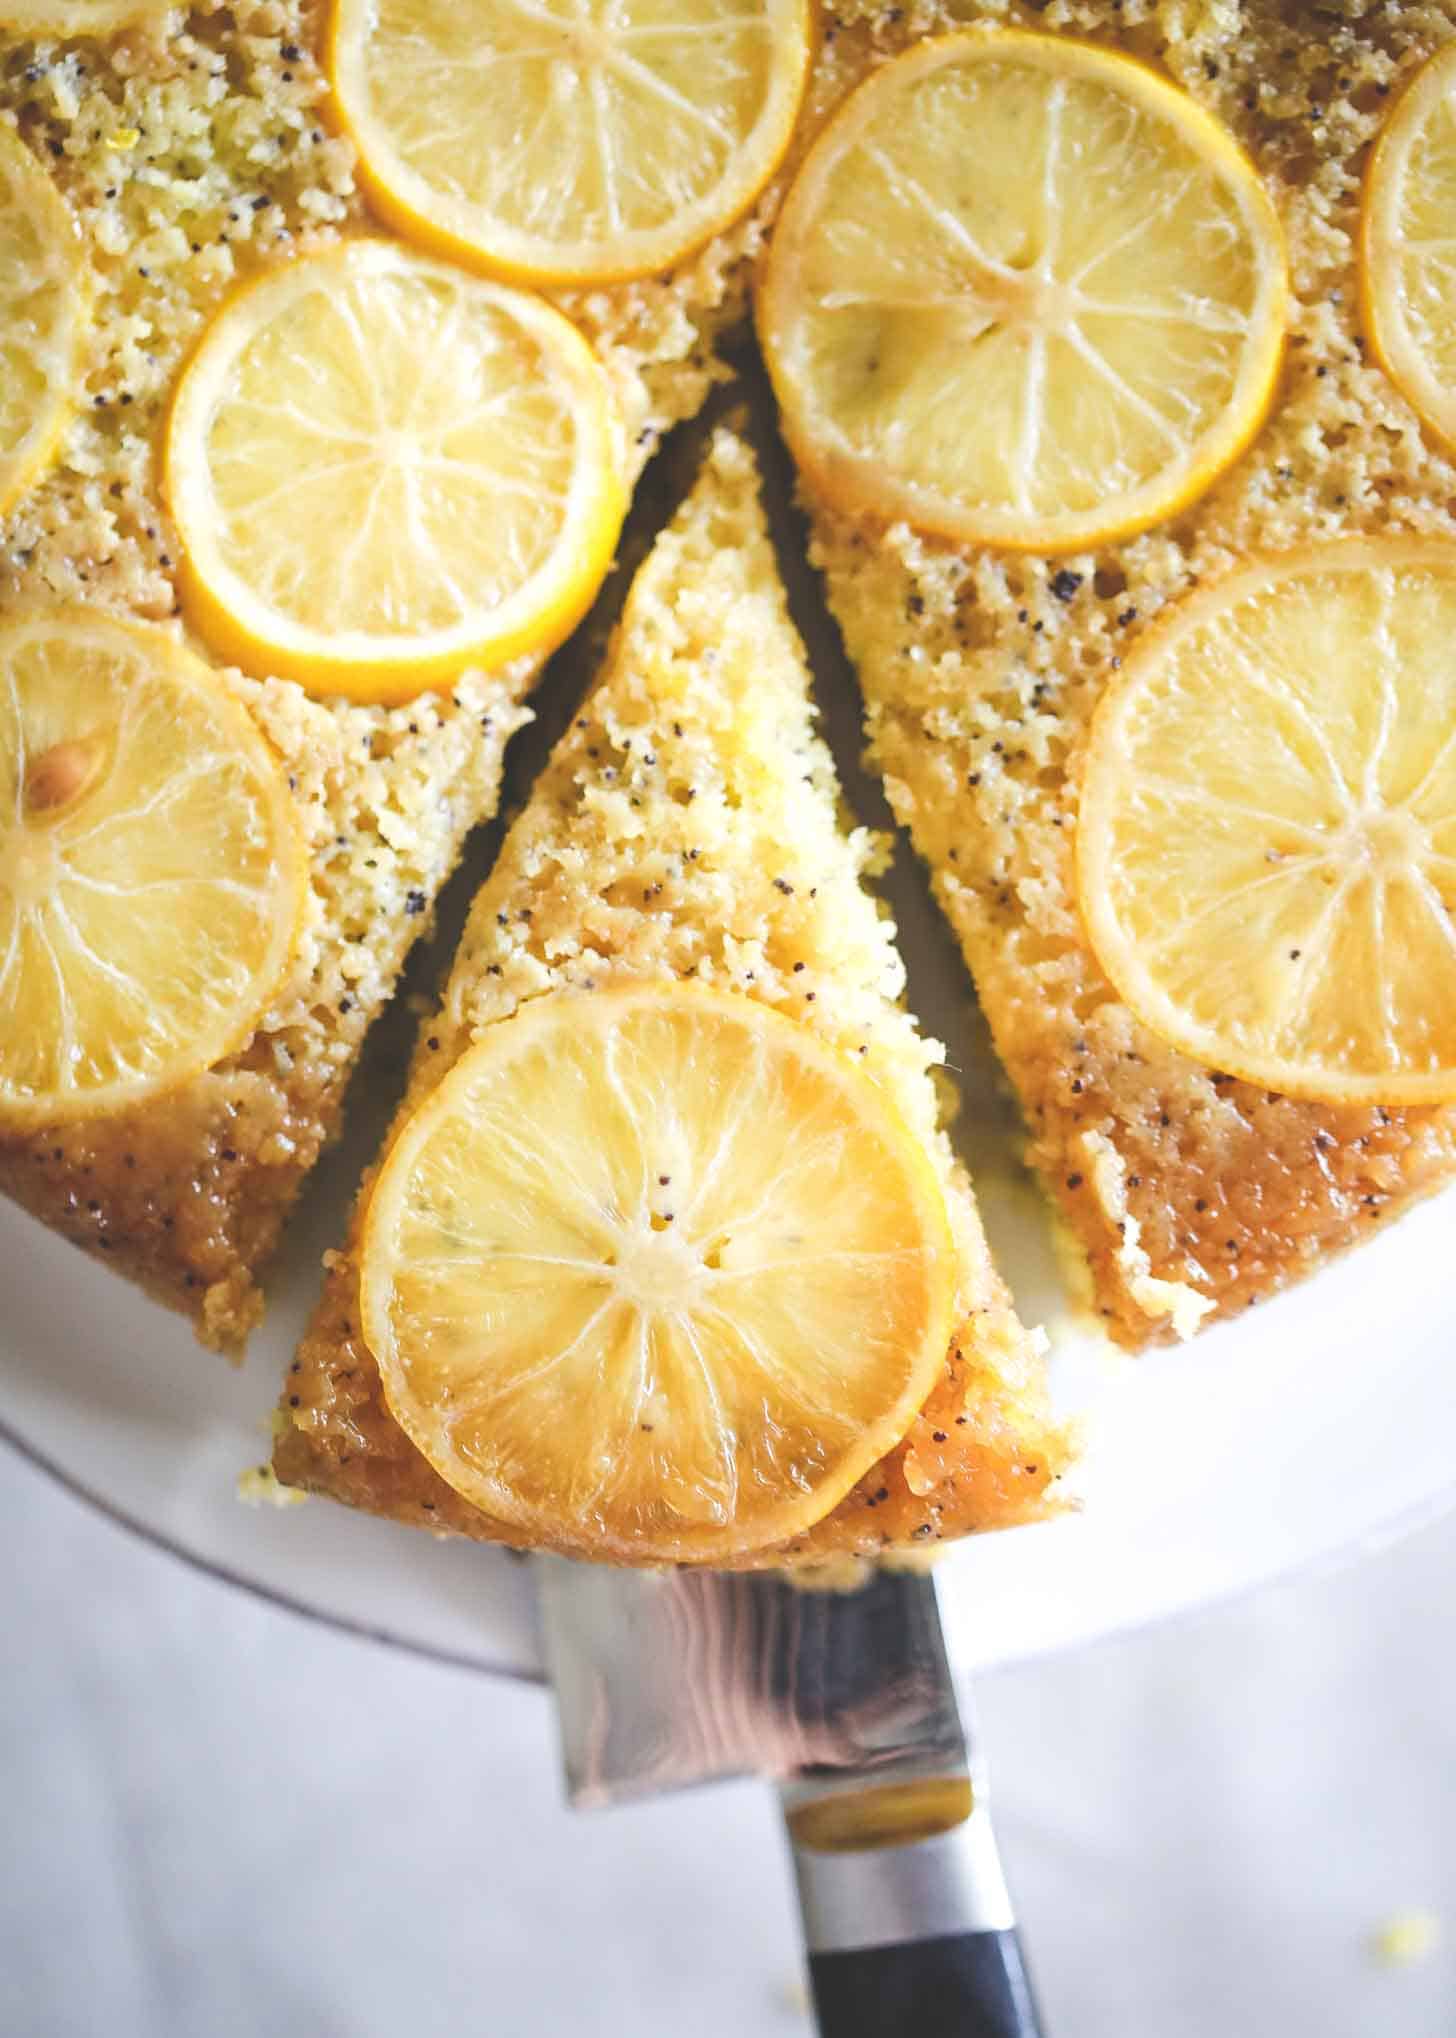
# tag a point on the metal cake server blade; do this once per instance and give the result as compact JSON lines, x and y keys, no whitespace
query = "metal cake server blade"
{"x":665,"y":1679}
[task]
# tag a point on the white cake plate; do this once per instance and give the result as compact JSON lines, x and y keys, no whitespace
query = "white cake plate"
{"x":1320,"y":1423}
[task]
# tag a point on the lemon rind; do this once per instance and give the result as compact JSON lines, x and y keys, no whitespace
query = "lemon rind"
{"x":1118,"y":956}
{"x":31,"y":1111}
{"x":248,"y":633}
{"x":415,"y":209}
{"x":23,"y":468}
{"x":855,"y":482}
{"x":793,"y":1516}
{"x":1379,"y":244}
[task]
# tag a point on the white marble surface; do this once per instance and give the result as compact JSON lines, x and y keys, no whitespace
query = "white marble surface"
{"x":221,"y":1821}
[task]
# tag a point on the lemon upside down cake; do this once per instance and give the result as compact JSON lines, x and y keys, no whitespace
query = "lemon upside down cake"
{"x":668,"y":1258}
{"x":325,"y":494}
{"x":1123,"y":394}
{"x":1116,"y":346}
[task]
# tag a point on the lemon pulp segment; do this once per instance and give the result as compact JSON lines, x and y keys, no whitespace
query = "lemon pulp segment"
{"x":1022,"y":293}
{"x":1408,"y":244}
{"x":656,"y":1275}
{"x":152,"y":869}
{"x":1267,"y":837}
{"x":385,"y":469}
{"x":43,"y":309}
{"x":568,"y":141}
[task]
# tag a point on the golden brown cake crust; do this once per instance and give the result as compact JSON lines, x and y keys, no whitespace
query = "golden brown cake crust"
{"x":982,"y":1454}
{"x":687,"y":827}
{"x":1192,"y":1194}
{"x":183,"y":1200}
{"x":193,"y":150}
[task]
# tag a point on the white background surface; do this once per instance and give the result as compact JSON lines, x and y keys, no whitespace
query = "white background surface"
{"x":221,"y":1821}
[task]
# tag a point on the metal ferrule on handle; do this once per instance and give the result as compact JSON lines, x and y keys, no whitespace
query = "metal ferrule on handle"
{"x":917,"y":1938}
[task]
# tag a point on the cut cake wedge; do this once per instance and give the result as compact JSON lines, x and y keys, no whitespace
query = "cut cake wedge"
{"x":688,"y":829}
{"x":1190,"y":1194}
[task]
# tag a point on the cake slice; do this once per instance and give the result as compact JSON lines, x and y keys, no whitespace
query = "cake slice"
{"x":687,"y":831}
{"x":1190,"y":1194}
{"x":194,"y":149}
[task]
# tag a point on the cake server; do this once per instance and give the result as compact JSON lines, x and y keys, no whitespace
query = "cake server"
{"x":670,"y":1678}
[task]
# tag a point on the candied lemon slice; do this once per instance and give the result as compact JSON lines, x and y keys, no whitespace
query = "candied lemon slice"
{"x":1266,"y":846}
{"x":385,"y":469}
{"x":1022,"y":293}
{"x":557,"y":143}
{"x":656,"y":1275}
{"x":1408,"y":244}
{"x":44,"y":302}
{"x":152,"y":869}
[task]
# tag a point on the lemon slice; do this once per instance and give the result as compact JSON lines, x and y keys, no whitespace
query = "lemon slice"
{"x":1022,"y":293}
{"x":1408,"y":244}
{"x":656,"y":1275}
{"x":43,"y":308}
{"x":568,"y":141}
{"x":1267,"y":839}
{"x":384,"y":469}
{"x":152,"y":869}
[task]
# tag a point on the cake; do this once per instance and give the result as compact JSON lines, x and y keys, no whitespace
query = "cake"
{"x":195,"y":148}
{"x":1187,"y":1195}
{"x":688,"y":829}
